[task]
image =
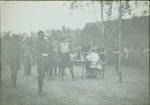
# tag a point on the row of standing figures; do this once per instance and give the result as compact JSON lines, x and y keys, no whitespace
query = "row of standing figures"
{"x":48,"y":65}
{"x":51,"y":61}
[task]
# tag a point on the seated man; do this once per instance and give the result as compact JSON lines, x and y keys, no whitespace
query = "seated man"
{"x":93,"y":63}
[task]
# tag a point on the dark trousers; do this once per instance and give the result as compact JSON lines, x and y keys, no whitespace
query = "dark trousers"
{"x":42,"y":68}
{"x":92,"y":73}
{"x":66,"y":62}
{"x":57,"y":67}
{"x":53,"y":66}
{"x":14,"y":76}
{"x":50,"y":66}
{"x":27,"y":65}
{"x":14,"y":70}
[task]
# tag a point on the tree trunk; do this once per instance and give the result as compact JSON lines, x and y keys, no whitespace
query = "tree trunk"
{"x":119,"y":42}
{"x":102,"y":24}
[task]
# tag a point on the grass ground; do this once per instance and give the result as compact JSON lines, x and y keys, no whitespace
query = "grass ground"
{"x":134,"y":90}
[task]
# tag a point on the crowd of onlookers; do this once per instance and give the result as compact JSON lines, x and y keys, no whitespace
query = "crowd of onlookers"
{"x":52,"y":56}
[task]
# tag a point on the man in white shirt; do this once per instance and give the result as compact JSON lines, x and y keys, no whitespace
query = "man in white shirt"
{"x":93,"y":57}
{"x":65,"y":58}
{"x":64,"y":47}
{"x":94,"y":63}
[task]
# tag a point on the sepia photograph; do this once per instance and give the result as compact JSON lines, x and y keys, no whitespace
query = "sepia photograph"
{"x":74,"y":52}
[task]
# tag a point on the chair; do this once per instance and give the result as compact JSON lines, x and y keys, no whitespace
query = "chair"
{"x":92,"y":68}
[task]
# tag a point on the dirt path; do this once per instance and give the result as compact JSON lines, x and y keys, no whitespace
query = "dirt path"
{"x":133,"y":91}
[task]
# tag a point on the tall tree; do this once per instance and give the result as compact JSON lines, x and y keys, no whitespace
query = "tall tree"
{"x":102,"y":23}
{"x":119,"y":42}
{"x":124,"y":8}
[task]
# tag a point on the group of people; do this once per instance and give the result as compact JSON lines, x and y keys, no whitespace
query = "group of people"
{"x":51,"y":57}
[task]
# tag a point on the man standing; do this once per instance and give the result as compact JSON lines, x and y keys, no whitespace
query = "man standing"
{"x":27,"y":56}
{"x":41,"y":51}
{"x":14,"y":50}
{"x":65,"y":58}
